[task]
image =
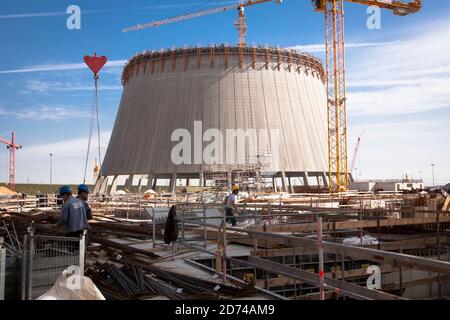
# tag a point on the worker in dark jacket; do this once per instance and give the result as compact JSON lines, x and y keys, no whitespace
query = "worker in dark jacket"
{"x":83,"y":193}
{"x":73,"y":214}
{"x":171,"y":230}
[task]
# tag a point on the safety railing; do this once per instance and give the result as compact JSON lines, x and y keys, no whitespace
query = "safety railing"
{"x":44,"y":258}
{"x":24,"y":203}
{"x":2,"y":269}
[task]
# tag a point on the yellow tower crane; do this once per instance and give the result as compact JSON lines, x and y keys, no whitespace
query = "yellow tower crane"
{"x":336,"y":91}
{"x":335,"y":67}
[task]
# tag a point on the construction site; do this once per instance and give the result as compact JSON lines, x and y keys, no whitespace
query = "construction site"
{"x":195,"y":123}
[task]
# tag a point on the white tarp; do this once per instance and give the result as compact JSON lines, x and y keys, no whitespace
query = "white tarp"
{"x":357,"y":241}
{"x":72,"y":286}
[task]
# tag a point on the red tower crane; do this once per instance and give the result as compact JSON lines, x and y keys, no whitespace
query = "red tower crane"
{"x":355,"y":153}
{"x":12,"y":146}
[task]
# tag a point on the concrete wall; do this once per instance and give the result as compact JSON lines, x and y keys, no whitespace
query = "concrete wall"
{"x":171,"y":91}
{"x":362,"y":186}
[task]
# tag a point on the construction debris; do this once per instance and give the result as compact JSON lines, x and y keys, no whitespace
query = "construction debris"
{"x":274,"y":245}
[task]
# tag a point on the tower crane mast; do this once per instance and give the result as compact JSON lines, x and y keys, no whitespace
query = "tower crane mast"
{"x":338,"y":173}
{"x":336,"y":87}
{"x":12,"y":146}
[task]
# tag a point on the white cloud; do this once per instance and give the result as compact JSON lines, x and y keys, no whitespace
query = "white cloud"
{"x":320,"y":47}
{"x":63,"y":13}
{"x":402,"y":99}
{"x":69,"y":158}
{"x":411,"y":76}
{"x":61,"y":67}
{"x":32,"y":15}
{"x":44,"y":86}
{"x":52,"y":113}
{"x":398,"y":77}
{"x":392,"y":149}
{"x":36,"y":85}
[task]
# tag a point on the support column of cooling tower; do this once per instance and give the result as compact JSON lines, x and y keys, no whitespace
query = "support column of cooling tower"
{"x":305,"y":179}
{"x":139,"y":184}
{"x":173,"y":183}
{"x":129,"y":184}
{"x":283,"y":182}
{"x":103,"y":185}
{"x":325,"y":181}
{"x":202,"y":179}
{"x":150,"y":181}
{"x":114,"y":184}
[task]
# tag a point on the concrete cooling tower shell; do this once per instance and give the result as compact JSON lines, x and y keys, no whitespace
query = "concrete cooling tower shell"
{"x":221,"y":88}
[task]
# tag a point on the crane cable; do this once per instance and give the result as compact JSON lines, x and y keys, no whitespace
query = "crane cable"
{"x":98,"y":122}
{"x":94,"y":117}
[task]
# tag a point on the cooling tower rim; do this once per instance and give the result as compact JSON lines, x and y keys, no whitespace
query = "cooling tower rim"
{"x":292,"y":57}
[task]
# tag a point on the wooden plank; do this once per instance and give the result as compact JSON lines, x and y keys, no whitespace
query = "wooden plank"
{"x":413,"y":283}
{"x":315,"y":296}
{"x":446,"y":206}
{"x":348,"y":274}
{"x":358,"y":273}
{"x":346,"y":288}
{"x":235,"y":237}
{"x":276,"y":282}
{"x":377,"y":256}
{"x":343,"y":225}
{"x":286,"y":252}
{"x":122,"y":247}
{"x":420,"y":243}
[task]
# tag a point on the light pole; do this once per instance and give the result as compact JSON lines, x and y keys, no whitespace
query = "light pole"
{"x":432,"y":170}
{"x":51,"y":156}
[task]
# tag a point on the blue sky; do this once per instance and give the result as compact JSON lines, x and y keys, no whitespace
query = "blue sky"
{"x":398,"y":77}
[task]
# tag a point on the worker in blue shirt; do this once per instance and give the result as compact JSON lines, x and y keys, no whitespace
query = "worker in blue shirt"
{"x":231,"y":205}
{"x":83,"y":193}
{"x":73,"y":213}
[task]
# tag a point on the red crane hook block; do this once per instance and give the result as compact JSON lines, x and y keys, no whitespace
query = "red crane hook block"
{"x":95,"y":63}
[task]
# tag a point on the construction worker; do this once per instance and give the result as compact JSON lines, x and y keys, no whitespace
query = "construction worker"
{"x":83,"y":193}
{"x":230,"y":205}
{"x":73,"y":213}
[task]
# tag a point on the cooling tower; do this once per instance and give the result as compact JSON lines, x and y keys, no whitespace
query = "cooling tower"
{"x":190,"y":91}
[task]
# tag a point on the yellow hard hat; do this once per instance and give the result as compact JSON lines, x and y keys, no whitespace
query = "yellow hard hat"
{"x":234,"y":188}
